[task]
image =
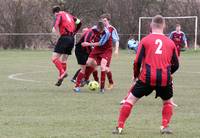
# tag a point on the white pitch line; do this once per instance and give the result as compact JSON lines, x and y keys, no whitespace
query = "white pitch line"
{"x":16,"y":76}
{"x":190,"y":72}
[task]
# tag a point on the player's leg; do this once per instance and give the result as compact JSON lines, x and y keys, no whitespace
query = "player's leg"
{"x":75,"y":76}
{"x":129,"y":91}
{"x":91,"y":65}
{"x":110,"y":79}
{"x":95,"y":75}
{"x":166,"y":94}
{"x":59,"y":66}
{"x":79,"y":79}
{"x":137,"y":92}
{"x":103,"y":74}
{"x":63,"y":59}
{"x":56,"y":60}
{"x":167,"y":112}
{"x":179,"y":50}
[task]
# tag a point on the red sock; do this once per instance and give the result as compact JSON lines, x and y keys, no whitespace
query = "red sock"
{"x":167,"y":112}
{"x":109,"y":76}
{"x":95,"y":75}
{"x":124,"y":114}
{"x":103,"y":78}
{"x":79,"y":79}
{"x":88,"y":72}
{"x":64,"y":65}
{"x":58,"y":65}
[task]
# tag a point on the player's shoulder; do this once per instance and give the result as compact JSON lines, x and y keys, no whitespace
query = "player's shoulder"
{"x":173,"y":32}
{"x":181,"y":32}
{"x":112,"y":27}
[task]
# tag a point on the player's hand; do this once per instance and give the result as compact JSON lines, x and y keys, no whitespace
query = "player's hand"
{"x":84,"y":44}
{"x":134,"y":79}
{"x":53,"y":30}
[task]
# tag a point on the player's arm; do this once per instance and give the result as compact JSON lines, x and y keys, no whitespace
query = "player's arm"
{"x":174,"y":61}
{"x":102,"y":41}
{"x":89,"y":36}
{"x":78,"y":24}
{"x":115,"y":38}
{"x":56,"y":24}
{"x":138,"y":60}
{"x":171,"y":35}
{"x":185,"y":40}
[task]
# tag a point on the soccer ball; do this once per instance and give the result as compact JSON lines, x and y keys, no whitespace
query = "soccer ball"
{"x":93,"y":85}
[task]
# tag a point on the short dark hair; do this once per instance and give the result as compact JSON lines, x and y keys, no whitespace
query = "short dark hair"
{"x":56,"y":9}
{"x":158,"y":21}
{"x":100,"y":25}
{"x":106,"y":15}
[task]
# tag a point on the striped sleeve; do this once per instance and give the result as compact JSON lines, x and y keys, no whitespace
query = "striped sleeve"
{"x":138,"y":60}
{"x":104,"y":38}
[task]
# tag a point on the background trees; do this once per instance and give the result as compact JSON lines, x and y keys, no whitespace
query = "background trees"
{"x":34,"y":16}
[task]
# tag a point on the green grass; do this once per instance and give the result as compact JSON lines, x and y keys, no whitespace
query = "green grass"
{"x":40,"y":110}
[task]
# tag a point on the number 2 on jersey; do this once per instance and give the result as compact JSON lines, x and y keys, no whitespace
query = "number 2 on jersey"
{"x":160,"y":44}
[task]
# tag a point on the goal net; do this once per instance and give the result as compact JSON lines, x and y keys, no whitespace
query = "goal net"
{"x":188,"y":24}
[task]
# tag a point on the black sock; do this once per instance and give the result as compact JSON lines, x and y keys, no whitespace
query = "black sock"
{"x":76,"y":74}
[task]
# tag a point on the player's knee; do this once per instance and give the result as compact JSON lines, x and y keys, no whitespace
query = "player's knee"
{"x":103,"y":68}
{"x":132,"y":99}
{"x":107,"y":69}
{"x":54,"y":59}
{"x":168,"y":102}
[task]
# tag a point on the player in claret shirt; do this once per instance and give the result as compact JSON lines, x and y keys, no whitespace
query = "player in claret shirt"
{"x":115,"y":41}
{"x":155,"y":62}
{"x":66,"y":26}
{"x":179,"y":38}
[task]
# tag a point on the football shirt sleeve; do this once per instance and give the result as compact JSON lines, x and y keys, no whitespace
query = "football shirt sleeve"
{"x":104,"y":38}
{"x":57,"y":20}
{"x":174,"y":61}
{"x":115,"y":36}
{"x":171,"y":35}
{"x":138,"y":60}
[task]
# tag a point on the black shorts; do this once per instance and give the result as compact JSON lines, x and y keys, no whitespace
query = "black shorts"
{"x":141,"y":89}
{"x":81,"y":55}
{"x":64,"y":45}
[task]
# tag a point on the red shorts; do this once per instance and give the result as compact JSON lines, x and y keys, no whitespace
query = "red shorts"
{"x":99,"y":55}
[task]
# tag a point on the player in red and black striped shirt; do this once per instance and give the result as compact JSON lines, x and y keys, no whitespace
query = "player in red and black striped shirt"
{"x":82,"y":54}
{"x":66,"y":26}
{"x":155,"y":62}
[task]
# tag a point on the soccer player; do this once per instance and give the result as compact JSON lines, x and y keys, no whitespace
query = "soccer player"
{"x":179,"y":38}
{"x":66,"y":26}
{"x":157,"y":55}
{"x":82,"y":54}
{"x":115,"y":38}
{"x":78,"y":46}
{"x":132,"y":44}
{"x":101,"y":54}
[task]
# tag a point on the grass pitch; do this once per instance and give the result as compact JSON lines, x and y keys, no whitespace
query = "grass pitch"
{"x":32,"y":107}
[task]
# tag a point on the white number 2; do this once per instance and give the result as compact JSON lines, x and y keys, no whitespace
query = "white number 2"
{"x":160,"y":44}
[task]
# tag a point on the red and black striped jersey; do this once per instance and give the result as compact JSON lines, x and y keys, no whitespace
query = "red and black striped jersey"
{"x":157,"y":55}
{"x":88,"y":36}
